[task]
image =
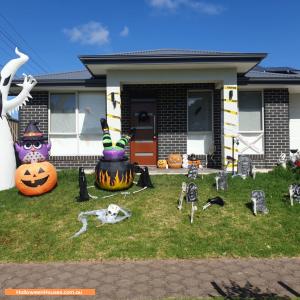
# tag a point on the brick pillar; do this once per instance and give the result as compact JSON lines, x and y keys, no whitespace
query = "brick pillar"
{"x":217,"y":158}
{"x":35,"y":110}
{"x":277,"y":137}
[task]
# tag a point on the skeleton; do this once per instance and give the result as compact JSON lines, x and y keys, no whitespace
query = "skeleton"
{"x":109,"y":215}
{"x":7,"y":154}
{"x":294,"y":191}
{"x":282,"y":160}
{"x":190,"y":191}
{"x":259,"y":202}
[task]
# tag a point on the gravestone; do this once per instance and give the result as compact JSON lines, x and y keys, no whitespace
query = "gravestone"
{"x":191,"y":193}
{"x":258,"y":199}
{"x":244,"y":168}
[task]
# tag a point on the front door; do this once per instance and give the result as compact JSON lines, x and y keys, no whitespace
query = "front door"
{"x":143,"y":149}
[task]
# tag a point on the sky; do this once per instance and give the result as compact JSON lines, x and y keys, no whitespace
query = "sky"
{"x":53,"y":33}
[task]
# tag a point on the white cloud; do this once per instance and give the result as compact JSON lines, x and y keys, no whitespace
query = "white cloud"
{"x":92,"y":33}
{"x":169,"y":4}
{"x":124,"y":32}
{"x":196,"y":5}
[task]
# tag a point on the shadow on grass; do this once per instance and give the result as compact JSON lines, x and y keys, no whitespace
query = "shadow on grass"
{"x":236,"y":291}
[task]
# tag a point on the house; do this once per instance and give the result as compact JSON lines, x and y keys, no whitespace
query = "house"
{"x":180,"y":101}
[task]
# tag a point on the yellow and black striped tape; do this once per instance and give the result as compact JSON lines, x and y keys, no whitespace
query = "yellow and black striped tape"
{"x":113,"y":116}
{"x":230,"y":87}
{"x":230,"y":148}
{"x":230,"y":100}
{"x":114,"y":129}
{"x":231,"y":111}
{"x":231,"y":124}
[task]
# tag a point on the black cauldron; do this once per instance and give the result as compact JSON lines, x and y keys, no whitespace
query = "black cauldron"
{"x":114,"y":175}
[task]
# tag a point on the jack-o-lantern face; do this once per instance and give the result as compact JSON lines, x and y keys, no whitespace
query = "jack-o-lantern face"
{"x":36,"y":179}
{"x":162,"y":163}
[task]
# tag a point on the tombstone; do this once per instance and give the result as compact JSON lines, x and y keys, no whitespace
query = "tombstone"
{"x":259,"y":202}
{"x":193,"y":172}
{"x":221,"y":181}
{"x":244,"y":168}
{"x":191,"y":193}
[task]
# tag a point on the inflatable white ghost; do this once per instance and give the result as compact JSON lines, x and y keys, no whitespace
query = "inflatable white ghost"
{"x":7,"y":154}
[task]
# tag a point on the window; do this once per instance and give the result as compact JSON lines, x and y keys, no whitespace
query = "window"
{"x":199,"y":111}
{"x":63,"y":116}
{"x":251,"y":130}
{"x":250,"y":111}
{"x":75,"y":123}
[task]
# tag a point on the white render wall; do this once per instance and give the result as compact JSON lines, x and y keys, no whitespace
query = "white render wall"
{"x":294,"y":121}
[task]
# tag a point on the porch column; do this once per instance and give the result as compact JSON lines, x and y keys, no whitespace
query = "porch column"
{"x":229,"y":123}
{"x":113,"y":110}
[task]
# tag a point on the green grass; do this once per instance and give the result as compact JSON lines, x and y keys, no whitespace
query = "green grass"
{"x":39,"y":229}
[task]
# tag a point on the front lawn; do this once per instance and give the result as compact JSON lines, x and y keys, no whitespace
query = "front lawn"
{"x":39,"y":229}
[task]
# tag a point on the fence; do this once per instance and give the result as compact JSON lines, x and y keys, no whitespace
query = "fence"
{"x":14,"y":127}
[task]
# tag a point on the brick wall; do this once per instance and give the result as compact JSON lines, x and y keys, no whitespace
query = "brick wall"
{"x":171,"y":114}
{"x":35,"y":110}
{"x":71,"y":162}
{"x":277,"y":137}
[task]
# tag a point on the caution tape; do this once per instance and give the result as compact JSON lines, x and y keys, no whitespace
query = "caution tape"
{"x":230,"y":100}
{"x":113,"y":116}
{"x":231,"y":124}
{"x":114,"y":129}
{"x":229,"y":135}
{"x":231,"y":111}
{"x":230,"y":87}
{"x":230,"y":148}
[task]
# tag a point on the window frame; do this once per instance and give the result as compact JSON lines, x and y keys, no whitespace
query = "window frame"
{"x":262,"y":112}
{"x":212,"y":111}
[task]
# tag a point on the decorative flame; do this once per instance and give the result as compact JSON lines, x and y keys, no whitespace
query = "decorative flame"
{"x":113,"y":184}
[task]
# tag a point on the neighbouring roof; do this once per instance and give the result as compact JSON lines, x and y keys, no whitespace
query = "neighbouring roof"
{"x":74,"y":78}
{"x":277,"y":75}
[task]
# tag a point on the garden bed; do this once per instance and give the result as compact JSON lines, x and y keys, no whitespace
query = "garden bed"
{"x":39,"y":229}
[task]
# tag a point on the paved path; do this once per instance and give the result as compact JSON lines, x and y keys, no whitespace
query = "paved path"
{"x":155,"y":279}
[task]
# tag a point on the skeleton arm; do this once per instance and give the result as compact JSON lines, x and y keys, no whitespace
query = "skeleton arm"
{"x":127,"y":214}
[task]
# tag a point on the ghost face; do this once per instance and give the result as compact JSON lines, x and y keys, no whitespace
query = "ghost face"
{"x":33,"y":151}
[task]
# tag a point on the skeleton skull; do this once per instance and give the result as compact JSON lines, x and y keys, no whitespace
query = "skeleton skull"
{"x":112,"y":212}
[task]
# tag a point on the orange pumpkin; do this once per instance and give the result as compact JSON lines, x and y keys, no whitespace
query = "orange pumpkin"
{"x":36,"y":179}
{"x":162,"y":163}
{"x":175,"y":161}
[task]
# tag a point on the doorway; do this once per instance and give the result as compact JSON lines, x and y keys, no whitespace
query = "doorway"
{"x":143,"y":147}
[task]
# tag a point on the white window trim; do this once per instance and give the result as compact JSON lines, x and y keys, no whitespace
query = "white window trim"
{"x":68,"y":134}
{"x":262,"y":119}
{"x":212,"y":112}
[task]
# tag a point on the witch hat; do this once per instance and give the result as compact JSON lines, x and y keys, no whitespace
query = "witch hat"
{"x":33,"y":133}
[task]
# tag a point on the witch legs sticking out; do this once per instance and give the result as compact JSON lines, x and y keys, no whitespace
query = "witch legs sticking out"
{"x":107,"y":142}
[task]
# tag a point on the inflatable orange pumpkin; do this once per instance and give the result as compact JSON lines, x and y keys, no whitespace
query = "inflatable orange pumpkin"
{"x":175,"y":161}
{"x":36,"y":179}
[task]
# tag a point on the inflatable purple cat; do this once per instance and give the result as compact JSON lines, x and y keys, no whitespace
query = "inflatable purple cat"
{"x":33,"y":146}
